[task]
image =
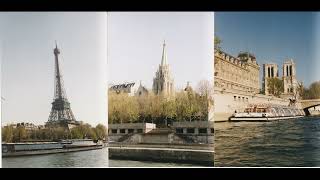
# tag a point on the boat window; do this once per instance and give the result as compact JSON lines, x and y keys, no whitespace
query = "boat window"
{"x":114,"y":131}
{"x":190,"y":130}
{"x":122,"y":131}
{"x":203,"y":130}
{"x":179,"y":130}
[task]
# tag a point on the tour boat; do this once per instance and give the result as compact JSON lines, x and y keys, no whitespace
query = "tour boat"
{"x":267,"y":113}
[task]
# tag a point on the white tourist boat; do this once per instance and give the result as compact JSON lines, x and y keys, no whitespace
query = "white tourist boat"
{"x":267,"y":113}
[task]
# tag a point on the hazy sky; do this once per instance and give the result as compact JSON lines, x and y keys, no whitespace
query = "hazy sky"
{"x":135,"y":46}
{"x":27,"y":77}
{"x":274,"y":37}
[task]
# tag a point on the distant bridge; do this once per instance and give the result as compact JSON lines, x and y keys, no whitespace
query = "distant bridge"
{"x":309,"y":103}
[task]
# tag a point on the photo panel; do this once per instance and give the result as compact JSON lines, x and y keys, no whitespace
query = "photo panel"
{"x":160,"y":67}
{"x":266,"y":89}
{"x":53,"y":89}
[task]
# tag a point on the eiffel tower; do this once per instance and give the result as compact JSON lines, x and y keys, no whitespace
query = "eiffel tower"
{"x":61,"y":114}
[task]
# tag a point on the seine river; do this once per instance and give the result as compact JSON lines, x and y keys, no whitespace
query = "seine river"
{"x":94,"y":158}
{"x":279,"y":143}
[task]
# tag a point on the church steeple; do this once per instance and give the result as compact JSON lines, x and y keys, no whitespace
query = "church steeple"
{"x":164,"y":54}
{"x":163,"y":83}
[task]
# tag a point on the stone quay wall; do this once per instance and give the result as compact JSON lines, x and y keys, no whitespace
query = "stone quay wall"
{"x":163,"y":155}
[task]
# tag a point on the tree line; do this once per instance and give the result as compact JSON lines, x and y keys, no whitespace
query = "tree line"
{"x":312,"y":92}
{"x":83,"y":131}
{"x":185,"y":105}
{"x":275,"y":87}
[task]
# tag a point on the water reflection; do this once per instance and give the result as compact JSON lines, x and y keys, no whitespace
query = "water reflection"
{"x":277,"y":143}
{"x":94,"y":158}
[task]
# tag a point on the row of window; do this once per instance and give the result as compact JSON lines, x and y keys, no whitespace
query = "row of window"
{"x":192,"y":130}
{"x":238,"y":98}
{"x":123,"y":131}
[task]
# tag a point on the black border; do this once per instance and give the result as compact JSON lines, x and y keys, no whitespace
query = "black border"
{"x":158,"y":5}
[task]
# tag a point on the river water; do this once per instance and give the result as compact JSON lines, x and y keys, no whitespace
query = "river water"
{"x":278,"y":143}
{"x":93,"y":158}
{"x":125,"y":163}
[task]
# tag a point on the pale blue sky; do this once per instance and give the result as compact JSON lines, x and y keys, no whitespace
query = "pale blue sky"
{"x":274,"y":37}
{"x":135,"y":46}
{"x":27,"y":77}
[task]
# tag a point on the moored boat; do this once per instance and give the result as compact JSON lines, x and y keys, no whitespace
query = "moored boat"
{"x":38,"y":148}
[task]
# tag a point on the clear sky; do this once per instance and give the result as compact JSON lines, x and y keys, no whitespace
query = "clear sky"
{"x":27,"y":70}
{"x":274,"y":37}
{"x":135,"y":46}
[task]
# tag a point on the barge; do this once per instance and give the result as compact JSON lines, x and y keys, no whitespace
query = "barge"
{"x":40,"y":148}
{"x":267,"y":113}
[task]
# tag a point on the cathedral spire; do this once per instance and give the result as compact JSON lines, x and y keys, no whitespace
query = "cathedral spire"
{"x":163,"y":82}
{"x":164,"y":54}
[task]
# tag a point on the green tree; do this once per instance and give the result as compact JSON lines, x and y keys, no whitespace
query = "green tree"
{"x":76,"y":134}
{"x":101,"y":131}
{"x":186,"y":105}
{"x":275,"y":86}
{"x":217,"y":42}
{"x":205,"y":98}
{"x":7,"y":134}
{"x":20,"y":134}
{"x":313,"y":92}
{"x":168,"y":110}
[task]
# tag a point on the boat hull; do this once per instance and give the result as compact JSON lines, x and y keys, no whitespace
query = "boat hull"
{"x":51,"y":151}
{"x":263,"y":118}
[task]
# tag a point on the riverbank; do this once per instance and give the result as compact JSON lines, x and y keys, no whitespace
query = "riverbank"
{"x":201,"y":154}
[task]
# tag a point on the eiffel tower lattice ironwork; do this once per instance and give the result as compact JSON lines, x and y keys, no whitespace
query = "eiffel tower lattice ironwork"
{"x":61,"y":113}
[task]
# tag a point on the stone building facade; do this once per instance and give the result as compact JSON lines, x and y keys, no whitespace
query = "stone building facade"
{"x":163,"y":82}
{"x":240,"y":73}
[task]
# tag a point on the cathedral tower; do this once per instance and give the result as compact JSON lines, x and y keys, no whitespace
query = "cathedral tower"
{"x":269,"y":71}
{"x":290,"y":83}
